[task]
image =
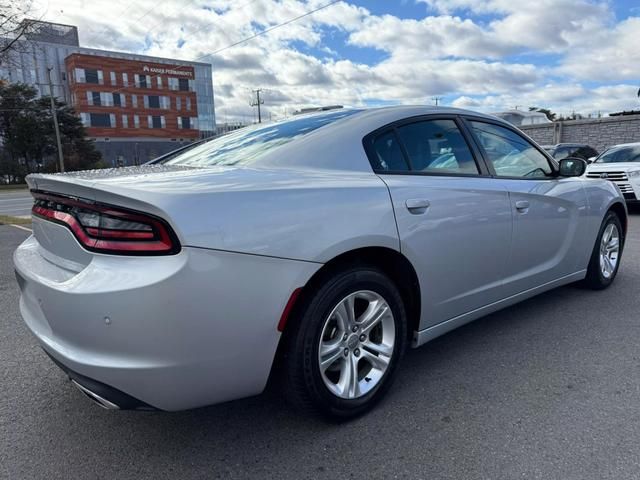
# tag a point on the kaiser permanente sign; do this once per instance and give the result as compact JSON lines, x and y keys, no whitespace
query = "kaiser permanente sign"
{"x":167,"y":71}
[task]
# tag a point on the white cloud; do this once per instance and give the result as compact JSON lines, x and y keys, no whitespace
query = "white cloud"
{"x":450,"y":51}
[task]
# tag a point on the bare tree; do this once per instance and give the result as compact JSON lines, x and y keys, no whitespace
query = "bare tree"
{"x":14,"y":25}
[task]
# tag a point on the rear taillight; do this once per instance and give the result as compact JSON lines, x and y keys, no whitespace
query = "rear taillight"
{"x":107,"y":229}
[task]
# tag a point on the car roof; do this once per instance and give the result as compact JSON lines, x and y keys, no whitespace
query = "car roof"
{"x":632,"y":144}
{"x":338,"y":145}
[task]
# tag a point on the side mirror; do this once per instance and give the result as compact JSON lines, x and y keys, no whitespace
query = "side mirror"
{"x":572,"y":167}
{"x":590,"y":160}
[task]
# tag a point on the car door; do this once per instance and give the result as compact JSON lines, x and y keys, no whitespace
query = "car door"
{"x":547,"y":209}
{"x":454,"y":220}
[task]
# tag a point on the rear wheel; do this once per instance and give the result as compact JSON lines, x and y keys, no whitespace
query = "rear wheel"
{"x":605,"y":259}
{"x":343,"y":353}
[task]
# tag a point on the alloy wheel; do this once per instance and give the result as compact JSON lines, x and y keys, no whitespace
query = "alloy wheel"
{"x":357,"y":344}
{"x":609,"y":250}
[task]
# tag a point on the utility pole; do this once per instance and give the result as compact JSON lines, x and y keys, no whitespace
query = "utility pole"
{"x":257,"y":103}
{"x":436,"y":100}
{"x":56,"y":127}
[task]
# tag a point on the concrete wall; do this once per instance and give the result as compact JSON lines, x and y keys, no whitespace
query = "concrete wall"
{"x":600,"y":133}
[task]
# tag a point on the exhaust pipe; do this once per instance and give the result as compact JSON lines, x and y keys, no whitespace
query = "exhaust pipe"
{"x":102,"y":402}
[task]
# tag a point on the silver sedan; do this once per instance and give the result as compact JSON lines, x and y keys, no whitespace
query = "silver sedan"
{"x":314,"y":250}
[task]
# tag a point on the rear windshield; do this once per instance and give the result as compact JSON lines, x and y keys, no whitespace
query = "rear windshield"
{"x":249,"y":144}
{"x":621,"y":154}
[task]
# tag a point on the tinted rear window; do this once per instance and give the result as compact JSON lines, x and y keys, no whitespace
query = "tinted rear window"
{"x":250,"y":144}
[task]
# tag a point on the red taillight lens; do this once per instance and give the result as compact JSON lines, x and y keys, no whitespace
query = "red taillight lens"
{"x":106,"y":229}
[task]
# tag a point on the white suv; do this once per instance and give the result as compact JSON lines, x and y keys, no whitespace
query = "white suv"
{"x":621,"y":165}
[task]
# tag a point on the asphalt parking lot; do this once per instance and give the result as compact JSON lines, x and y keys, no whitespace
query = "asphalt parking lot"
{"x":547,"y":389}
{"x":15,"y":202}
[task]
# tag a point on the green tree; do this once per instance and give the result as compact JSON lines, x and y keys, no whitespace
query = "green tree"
{"x":28,"y":136}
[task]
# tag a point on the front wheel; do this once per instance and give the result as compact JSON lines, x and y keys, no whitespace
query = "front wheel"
{"x":605,"y":259}
{"x":344,"y":350}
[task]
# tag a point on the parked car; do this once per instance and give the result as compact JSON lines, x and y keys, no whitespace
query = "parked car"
{"x":576,"y":150}
{"x":316,"y":249}
{"x":621,"y":165}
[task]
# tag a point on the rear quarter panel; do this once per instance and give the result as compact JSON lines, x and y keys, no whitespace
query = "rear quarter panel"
{"x":297,"y":214}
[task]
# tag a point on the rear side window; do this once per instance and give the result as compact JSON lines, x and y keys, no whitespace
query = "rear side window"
{"x":437,"y":146}
{"x":429,"y":146}
{"x":388,"y":153}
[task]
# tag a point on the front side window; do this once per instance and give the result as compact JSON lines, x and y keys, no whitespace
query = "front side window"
{"x":510,"y":154}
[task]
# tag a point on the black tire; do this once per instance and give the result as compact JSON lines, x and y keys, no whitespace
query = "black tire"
{"x":304,"y":384}
{"x":595,"y":278}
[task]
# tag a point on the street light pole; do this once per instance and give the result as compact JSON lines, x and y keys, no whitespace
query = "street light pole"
{"x":56,"y":127}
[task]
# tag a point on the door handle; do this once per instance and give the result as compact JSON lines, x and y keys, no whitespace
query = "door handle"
{"x":522,"y":205}
{"x":417,"y":205}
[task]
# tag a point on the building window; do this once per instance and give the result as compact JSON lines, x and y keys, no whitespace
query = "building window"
{"x":116,"y":100}
{"x":136,"y":121}
{"x":165,"y":102}
{"x":134,"y":101}
{"x":178,"y":103}
{"x":93,"y":76}
{"x":101,"y":98}
{"x":79,"y":75}
{"x":188,"y":104}
{"x":125,"y":121}
{"x":159,"y":82}
{"x":173,"y":83}
{"x":142,"y":81}
{"x":184,"y":123}
{"x":100,"y":119}
{"x":84,"y":118}
{"x":156,"y":121}
{"x":93,"y":98}
{"x":183,"y":84}
{"x":125,"y":79}
{"x":113,"y":78}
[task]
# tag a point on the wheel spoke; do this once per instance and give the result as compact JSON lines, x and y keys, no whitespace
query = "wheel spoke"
{"x":613,"y":244}
{"x":607,"y":234}
{"x":607,"y":265}
{"x":345,"y":312}
{"x":373,"y":315}
{"x":329,"y":353}
{"x":348,"y":383}
{"x":378,"y":348}
{"x":379,"y":362}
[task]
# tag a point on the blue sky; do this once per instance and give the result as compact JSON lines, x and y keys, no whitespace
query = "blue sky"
{"x":489,"y":55}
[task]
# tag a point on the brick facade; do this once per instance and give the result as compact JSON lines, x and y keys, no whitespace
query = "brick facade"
{"x":178,"y":100}
{"x":600,"y":133}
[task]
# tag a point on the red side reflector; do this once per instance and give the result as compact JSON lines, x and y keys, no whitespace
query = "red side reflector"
{"x":287,"y":309}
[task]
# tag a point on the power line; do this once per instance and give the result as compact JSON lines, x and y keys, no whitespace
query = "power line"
{"x":271,"y":29}
{"x":247,"y":39}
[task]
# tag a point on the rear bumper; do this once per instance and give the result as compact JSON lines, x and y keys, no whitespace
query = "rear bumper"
{"x":100,"y":393}
{"x":172,"y":332}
